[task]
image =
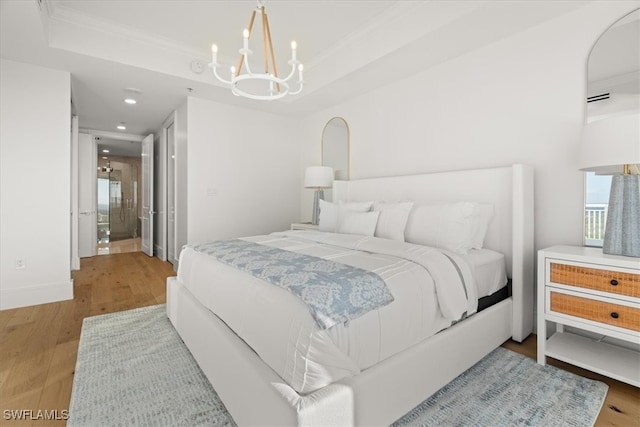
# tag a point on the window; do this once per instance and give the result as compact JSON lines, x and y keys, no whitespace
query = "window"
{"x":595,"y":210}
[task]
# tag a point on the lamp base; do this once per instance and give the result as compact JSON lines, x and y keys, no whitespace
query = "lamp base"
{"x":622,"y":233}
{"x":319,"y":194}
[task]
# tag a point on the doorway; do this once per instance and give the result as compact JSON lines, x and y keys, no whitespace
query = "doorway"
{"x":117,"y":220}
{"x":118,"y":204}
{"x":119,"y":210}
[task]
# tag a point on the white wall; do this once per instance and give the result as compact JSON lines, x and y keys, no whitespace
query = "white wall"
{"x":236,"y":172}
{"x":35,"y":182}
{"x":518,"y":100}
{"x":243,"y":177}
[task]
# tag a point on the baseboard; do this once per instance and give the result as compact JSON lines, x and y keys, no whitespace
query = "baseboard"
{"x":36,"y":294}
{"x":75,"y":263}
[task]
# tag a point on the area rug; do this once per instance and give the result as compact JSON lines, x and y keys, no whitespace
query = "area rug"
{"x":134,"y":370}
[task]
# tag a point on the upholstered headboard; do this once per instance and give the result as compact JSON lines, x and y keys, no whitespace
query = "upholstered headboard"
{"x":508,"y":189}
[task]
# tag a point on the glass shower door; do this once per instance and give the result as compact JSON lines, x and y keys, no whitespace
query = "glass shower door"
{"x":118,"y":217}
{"x":104,"y":217}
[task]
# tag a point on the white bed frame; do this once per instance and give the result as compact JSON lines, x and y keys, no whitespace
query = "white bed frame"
{"x":255,"y":395}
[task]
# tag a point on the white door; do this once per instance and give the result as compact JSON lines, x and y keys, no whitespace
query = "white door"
{"x":147,"y":195}
{"x":87,"y":202}
{"x":160,"y":187}
{"x":75,"y":255}
{"x":171,"y":202}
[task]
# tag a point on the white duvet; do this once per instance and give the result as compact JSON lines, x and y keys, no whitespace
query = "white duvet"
{"x":430,"y":293}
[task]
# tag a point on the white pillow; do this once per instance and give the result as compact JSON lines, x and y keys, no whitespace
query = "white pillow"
{"x":331,"y":213}
{"x":449,"y":226}
{"x":392,"y":220}
{"x":353,"y":222}
{"x":328,"y":219}
{"x":344,"y":207}
{"x":481,"y":225}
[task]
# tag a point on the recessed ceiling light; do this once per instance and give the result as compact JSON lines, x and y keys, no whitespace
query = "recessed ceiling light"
{"x":130,"y":101}
{"x":121,"y":127}
{"x":105,"y":151}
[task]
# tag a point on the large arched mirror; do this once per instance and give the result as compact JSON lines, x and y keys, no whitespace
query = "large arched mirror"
{"x":335,"y":147}
{"x":613,"y":92}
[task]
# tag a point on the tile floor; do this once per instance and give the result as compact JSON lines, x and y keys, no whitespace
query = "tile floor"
{"x":119,"y":246}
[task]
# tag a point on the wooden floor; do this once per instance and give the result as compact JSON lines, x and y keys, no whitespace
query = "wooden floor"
{"x":39,"y":344}
{"x":621,"y":407}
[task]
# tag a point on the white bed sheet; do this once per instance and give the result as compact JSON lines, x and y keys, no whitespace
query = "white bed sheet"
{"x":489,"y":270}
{"x":279,"y":328}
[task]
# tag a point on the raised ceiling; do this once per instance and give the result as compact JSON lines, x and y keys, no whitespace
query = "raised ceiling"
{"x":348,"y":47}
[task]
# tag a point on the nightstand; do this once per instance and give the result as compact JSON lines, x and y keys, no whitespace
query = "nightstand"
{"x":597,"y":294}
{"x":303,"y":226}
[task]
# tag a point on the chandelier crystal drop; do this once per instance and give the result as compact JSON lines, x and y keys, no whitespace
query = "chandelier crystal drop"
{"x":260,"y":86}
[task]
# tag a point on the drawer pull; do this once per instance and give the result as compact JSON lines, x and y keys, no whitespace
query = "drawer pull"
{"x":614,"y":282}
{"x":615,"y":315}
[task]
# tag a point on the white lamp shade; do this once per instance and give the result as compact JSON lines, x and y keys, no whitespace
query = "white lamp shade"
{"x":608,"y":144}
{"x":318,"y":177}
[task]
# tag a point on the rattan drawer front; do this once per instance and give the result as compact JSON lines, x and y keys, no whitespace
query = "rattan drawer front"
{"x":615,"y":282}
{"x":598,"y":311}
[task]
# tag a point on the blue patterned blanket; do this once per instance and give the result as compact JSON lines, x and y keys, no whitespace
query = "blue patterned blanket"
{"x":335,"y":293}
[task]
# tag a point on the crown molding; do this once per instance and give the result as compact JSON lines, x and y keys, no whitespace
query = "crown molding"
{"x":62,"y":15}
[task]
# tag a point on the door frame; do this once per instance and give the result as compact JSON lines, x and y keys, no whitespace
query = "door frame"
{"x":162,"y":189}
{"x":75,"y":167}
{"x":148,"y":206}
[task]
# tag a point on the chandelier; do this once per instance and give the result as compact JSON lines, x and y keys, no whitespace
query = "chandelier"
{"x":261,"y":86}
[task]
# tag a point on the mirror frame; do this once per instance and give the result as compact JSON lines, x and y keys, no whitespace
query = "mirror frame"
{"x":348,"y":143}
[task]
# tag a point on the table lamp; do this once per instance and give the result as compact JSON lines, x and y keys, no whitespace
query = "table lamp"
{"x":318,"y":177}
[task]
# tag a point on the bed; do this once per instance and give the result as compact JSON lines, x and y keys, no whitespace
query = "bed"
{"x":376,"y":391}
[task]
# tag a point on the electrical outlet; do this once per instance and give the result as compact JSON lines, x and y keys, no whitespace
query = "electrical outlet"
{"x":20,"y":264}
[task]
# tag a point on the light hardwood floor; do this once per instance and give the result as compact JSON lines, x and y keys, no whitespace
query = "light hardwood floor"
{"x":39,"y":344}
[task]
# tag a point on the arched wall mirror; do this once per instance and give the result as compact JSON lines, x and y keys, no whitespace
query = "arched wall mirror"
{"x":335,"y":147}
{"x":613,"y":72}
{"x":613,"y":93}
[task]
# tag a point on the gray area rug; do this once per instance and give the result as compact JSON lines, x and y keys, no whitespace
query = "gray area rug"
{"x":134,"y":370}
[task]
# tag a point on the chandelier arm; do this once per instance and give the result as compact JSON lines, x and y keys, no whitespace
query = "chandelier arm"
{"x":241,"y":60}
{"x":301,"y":83}
{"x":293,"y":70}
{"x":273,"y":55}
{"x":246,"y":64}
{"x":215,"y":73}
